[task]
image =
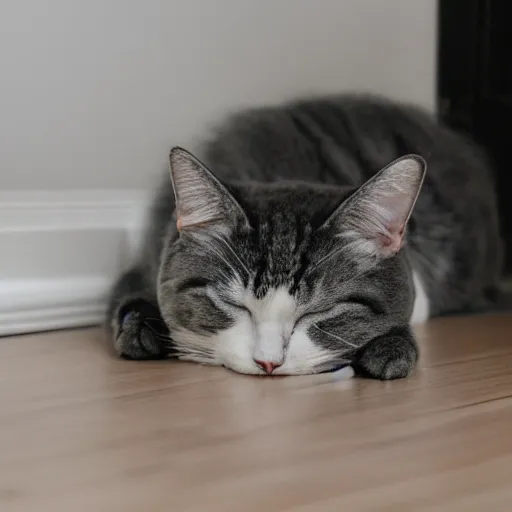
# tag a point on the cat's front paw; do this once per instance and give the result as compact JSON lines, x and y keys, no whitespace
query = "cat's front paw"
{"x":142,"y":337}
{"x":393,"y":356}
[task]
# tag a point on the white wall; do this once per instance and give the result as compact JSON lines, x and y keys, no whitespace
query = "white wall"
{"x":94,"y":92}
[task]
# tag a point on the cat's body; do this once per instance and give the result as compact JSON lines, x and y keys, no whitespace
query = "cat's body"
{"x":287,"y":169}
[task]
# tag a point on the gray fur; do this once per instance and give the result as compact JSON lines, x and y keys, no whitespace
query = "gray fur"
{"x":286,"y":170}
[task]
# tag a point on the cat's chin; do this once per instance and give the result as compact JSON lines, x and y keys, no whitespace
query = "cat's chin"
{"x":339,"y":370}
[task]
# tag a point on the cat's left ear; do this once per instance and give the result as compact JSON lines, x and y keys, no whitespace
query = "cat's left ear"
{"x":202,"y":201}
{"x":374,"y":218}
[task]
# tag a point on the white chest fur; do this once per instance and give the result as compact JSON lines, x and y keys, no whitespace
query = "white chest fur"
{"x":421,"y":310}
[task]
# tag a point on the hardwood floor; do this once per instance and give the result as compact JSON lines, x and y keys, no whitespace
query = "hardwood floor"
{"x":83,"y":431}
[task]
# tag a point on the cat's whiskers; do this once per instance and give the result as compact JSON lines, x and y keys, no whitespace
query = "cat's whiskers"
{"x":221,"y":257}
{"x":312,"y":360}
{"x":193,"y":347}
{"x":325,"y":259}
{"x":196,"y":358}
{"x":331,"y":365}
{"x":228,"y":246}
{"x":219,"y":237}
{"x":194,"y":354}
{"x":336,"y":337}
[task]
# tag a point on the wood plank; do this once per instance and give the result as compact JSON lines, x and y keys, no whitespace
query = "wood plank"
{"x":83,"y":431}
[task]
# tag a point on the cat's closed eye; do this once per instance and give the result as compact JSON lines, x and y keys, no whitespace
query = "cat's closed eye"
{"x":309,"y":315}
{"x":200,"y":284}
{"x":192,"y":284}
{"x":366,"y":301}
{"x":238,"y":306}
{"x":351,"y":303}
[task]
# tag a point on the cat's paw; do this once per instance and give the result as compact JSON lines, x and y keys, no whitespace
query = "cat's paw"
{"x":141,"y":337}
{"x":390,"y":357}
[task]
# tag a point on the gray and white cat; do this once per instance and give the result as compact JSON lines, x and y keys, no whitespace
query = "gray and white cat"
{"x":313,"y":239}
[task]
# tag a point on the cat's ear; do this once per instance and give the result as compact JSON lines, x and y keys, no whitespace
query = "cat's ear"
{"x":202,"y":201}
{"x":374,"y":218}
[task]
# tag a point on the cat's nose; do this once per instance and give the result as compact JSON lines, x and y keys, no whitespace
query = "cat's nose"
{"x":267,"y":366}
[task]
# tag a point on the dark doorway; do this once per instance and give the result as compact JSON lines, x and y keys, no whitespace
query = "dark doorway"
{"x":475,"y":84}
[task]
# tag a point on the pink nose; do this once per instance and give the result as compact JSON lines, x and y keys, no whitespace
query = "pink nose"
{"x":267,"y":366}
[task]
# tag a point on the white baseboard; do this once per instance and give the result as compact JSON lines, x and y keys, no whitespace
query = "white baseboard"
{"x":59,"y":253}
{"x":45,"y":304}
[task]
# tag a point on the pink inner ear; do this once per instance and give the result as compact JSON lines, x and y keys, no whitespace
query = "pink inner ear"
{"x":392,"y":241}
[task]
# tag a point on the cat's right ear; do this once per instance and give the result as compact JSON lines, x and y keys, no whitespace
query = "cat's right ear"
{"x":374,"y":218}
{"x":202,"y":201}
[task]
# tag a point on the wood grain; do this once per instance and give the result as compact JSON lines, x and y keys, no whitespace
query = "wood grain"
{"x":83,"y":431}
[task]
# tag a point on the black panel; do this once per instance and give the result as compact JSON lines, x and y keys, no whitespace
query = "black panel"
{"x":475,"y":84}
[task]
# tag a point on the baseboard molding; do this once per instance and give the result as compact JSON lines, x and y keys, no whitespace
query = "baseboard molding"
{"x":45,"y":304}
{"x":60,"y":252}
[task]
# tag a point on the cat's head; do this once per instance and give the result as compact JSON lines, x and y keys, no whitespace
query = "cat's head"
{"x":285,"y":278}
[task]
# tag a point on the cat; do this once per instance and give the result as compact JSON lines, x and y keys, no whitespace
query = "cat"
{"x":307,"y":236}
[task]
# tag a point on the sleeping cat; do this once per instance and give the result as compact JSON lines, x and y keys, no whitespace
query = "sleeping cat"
{"x":309,"y":236}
